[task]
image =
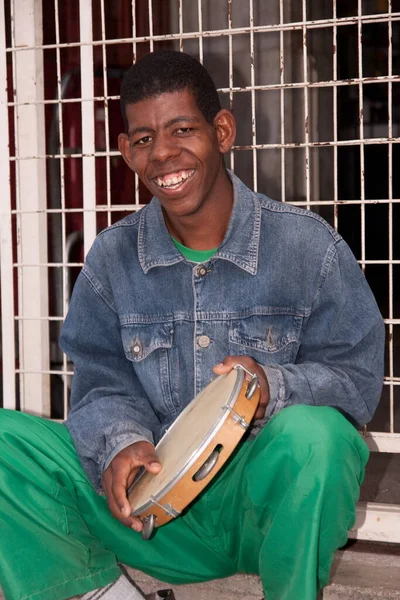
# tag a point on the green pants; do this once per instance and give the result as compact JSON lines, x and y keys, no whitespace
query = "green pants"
{"x":280,"y":508}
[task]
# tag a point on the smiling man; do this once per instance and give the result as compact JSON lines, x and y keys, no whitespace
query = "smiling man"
{"x":207,"y":275}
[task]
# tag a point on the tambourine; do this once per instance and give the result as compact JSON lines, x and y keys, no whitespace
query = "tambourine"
{"x":195,"y":447}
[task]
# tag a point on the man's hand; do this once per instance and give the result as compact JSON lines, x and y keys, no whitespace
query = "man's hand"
{"x":120,"y":474}
{"x":251,"y":365}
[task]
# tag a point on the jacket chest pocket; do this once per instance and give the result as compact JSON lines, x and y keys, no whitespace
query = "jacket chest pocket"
{"x":269,"y":339}
{"x":150,"y":349}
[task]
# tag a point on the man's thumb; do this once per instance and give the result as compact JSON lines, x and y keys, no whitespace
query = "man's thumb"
{"x":153,"y":464}
{"x":221,"y":368}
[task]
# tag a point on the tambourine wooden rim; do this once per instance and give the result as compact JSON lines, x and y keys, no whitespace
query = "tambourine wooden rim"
{"x":168,"y":502}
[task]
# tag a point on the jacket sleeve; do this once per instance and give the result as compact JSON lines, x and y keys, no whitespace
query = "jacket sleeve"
{"x":341,"y":354}
{"x":109,"y":409}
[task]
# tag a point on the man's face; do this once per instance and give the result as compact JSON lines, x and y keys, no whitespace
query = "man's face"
{"x":175,"y":151}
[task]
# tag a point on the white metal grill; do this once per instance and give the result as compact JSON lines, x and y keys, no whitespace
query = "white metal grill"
{"x":318,"y":126}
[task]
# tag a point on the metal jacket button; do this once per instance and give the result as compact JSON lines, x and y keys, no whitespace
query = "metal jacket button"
{"x":201,"y":271}
{"x":137,"y":348}
{"x":203,"y":341}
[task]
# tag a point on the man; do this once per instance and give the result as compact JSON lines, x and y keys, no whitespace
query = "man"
{"x":278,"y":291}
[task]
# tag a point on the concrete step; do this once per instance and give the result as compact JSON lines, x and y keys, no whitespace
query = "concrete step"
{"x":362,"y":571}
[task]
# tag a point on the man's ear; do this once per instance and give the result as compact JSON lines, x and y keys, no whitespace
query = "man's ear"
{"x":124,"y":148}
{"x":225,"y":126}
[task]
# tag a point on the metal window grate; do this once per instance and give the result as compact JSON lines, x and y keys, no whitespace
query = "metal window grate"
{"x":315,"y":86}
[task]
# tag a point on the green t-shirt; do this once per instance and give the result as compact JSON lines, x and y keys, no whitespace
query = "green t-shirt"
{"x":194,"y":255}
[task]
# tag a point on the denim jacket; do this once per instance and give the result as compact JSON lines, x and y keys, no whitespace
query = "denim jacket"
{"x":283,"y":288}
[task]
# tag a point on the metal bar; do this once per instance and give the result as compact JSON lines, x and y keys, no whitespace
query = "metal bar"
{"x":390,"y":216}
{"x":230,"y":92}
{"x":253,"y":99}
{"x":200,"y":18}
{"x":17,"y":192}
{"x":65,"y":290}
{"x":133,"y":4}
{"x":305,"y":101}
{"x":294,"y":26}
{"x":136,"y":192}
{"x":180,"y":35}
{"x":282,"y":102}
{"x":258,"y":88}
{"x":129,"y":208}
{"x":48,"y":372}
{"x":361,"y":121}
{"x":335,"y":121}
{"x":6,"y":258}
{"x":106,"y":113}
{"x":88,"y":140}
{"x":353,"y":142}
{"x":395,"y":382}
{"x":55,"y":264}
{"x":151,"y":32}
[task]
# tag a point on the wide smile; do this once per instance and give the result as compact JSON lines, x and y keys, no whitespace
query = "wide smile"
{"x":175,"y":181}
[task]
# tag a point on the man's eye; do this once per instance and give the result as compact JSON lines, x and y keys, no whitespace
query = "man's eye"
{"x":184,"y":130}
{"x":144,"y":140}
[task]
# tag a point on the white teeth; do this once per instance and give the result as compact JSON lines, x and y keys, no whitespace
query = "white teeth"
{"x":174,"y":180}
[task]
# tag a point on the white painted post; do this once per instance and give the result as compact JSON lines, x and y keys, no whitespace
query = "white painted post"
{"x":31,"y":205}
{"x":88,"y":146}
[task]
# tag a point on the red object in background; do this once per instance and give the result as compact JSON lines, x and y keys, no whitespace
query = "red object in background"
{"x":121,"y":181}
{"x":118,"y":25}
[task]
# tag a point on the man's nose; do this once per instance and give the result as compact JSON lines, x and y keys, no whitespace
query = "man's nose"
{"x":163,"y":147}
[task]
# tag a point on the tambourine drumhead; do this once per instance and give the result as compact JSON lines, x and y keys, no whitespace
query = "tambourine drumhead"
{"x":184,"y":441}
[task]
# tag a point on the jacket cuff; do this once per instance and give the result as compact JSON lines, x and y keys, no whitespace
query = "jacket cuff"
{"x":121,"y":443}
{"x":276,"y":398}
{"x":276,"y":392}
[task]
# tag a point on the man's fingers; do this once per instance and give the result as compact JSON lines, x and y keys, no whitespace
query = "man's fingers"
{"x":222,"y":368}
{"x":111,"y":501}
{"x":120,"y":474}
{"x":230,"y":361}
{"x":123,"y":473}
{"x":119,"y":489}
{"x":251,"y":365}
{"x":227,"y":364}
{"x":136,"y":524}
{"x":124,"y":517}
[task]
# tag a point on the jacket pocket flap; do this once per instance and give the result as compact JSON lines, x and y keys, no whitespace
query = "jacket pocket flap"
{"x":141,"y":340}
{"x":269,"y":333}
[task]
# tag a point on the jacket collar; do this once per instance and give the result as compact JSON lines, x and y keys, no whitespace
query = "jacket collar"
{"x":239,"y":246}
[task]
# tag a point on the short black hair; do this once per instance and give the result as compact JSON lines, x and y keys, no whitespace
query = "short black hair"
{"x":166,"y":71}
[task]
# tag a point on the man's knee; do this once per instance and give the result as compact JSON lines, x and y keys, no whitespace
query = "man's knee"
{"x":320,"y":431}
{"x":315,"y":424}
